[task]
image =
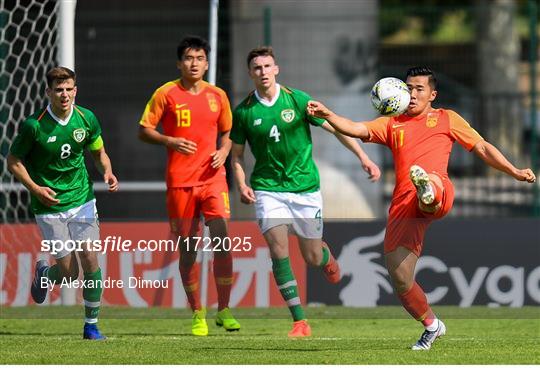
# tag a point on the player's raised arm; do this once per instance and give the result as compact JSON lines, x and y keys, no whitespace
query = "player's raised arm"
{"x":247,"y":195}
{"x":494,"y":158}
{"x":340,"y":123}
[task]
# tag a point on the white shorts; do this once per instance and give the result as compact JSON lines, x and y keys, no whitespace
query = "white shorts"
{"x":301,"y":211}
{"x":79,"y":223}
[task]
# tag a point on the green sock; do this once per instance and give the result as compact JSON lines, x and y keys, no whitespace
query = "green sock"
{"x":325,"y":256}
{"x":53,"y":274}
{"x":287,"y":286}
{"x":92,"y":295}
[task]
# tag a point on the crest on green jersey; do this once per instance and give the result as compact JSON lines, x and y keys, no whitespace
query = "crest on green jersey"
{"x":79,"y":135}
{"x":287,"y":115}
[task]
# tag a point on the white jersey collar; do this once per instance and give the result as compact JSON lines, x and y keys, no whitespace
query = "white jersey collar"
{"x":274,"y":99}
{"x":58,"y":120}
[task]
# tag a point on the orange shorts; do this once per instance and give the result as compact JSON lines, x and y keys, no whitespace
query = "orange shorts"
{"x":185,"y":206}
{"x":407,"y":224}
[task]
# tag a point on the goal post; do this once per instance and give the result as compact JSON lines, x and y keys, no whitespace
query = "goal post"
{"x":66,"y":33}
{"x":66,"y":57}
{"x":212,"y":66}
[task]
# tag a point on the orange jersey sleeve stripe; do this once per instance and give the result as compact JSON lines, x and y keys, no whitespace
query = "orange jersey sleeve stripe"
{"x":155,"y":108}
{"x":462,"y":132}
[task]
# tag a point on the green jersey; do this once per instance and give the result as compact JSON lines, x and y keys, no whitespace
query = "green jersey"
{"x":53,"y":155}
{"x":280,"y":139}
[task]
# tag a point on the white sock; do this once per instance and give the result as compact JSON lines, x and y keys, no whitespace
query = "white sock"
{"x":433,"y":326}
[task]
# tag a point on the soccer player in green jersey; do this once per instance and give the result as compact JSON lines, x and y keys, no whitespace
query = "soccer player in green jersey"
{"x":47,"y":158}
{"x":285,"y":180}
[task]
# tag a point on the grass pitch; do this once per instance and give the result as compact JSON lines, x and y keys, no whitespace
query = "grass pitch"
{"x":382,"y":335}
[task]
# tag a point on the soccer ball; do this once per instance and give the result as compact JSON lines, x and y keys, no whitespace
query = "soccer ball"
{"x":390,"y":96}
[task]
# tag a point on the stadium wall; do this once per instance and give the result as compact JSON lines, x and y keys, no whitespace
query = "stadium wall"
{"x":491,"y":262}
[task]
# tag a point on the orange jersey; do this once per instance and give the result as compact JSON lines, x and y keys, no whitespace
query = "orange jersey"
{"x":198,"y":118}
{"x":424,"y":140}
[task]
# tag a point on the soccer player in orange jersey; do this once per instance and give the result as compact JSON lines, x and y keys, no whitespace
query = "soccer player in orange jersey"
{"x":421,"y":141}
{"x":193,"y":115}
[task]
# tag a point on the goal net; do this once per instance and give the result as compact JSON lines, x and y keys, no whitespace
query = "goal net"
{"x":27,"y":51}
{"x":28,"y":33}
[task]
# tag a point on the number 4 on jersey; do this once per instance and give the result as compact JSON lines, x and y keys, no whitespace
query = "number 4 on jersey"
{"x":274,"y":133}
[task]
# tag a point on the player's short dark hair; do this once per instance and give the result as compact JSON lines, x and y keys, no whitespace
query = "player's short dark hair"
{"x":423,"y":70}
{"x":192,"y":42}
{"x":60,"y":74}
{"x":260,"y":51}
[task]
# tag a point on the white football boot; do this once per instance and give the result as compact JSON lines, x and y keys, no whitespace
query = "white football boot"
{"x":420,"y":179}
{"x":429,"y":337}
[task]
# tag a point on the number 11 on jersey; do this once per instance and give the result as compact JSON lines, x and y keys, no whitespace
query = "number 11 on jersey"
{"x":398,"y":138}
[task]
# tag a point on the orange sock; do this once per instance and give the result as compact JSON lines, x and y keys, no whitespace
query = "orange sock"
{"x":190,"y":280}
{"x":415,"y":302}
{"x":223,"y":274}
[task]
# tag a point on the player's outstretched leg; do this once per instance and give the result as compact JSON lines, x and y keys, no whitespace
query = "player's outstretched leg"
{"x":39,"y":293}
{"x":428,"y":337}
{"x":415,"y":302}
{"x":401,"y":264}
{"x":424,"y":189}
{"x":330,"y":265}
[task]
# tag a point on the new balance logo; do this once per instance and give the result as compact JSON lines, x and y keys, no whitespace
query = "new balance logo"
{"x":257,"y":122}
{"x":51,"y":139}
